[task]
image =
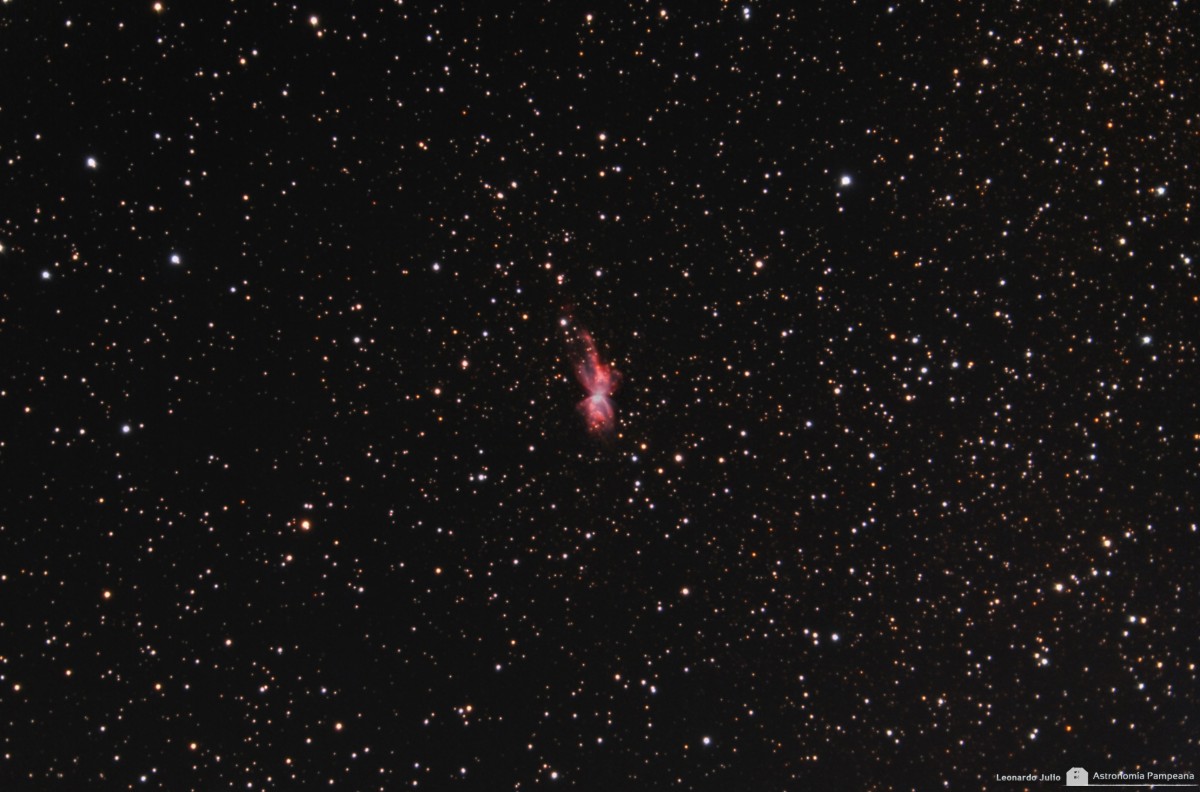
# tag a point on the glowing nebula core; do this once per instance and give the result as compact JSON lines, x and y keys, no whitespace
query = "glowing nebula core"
{"x":600,"y":381}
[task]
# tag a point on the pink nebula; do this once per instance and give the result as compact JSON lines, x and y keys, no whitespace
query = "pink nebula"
{"x":600,"y":381}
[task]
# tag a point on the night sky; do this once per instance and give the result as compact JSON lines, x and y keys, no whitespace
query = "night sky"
{"x":707,"y":395}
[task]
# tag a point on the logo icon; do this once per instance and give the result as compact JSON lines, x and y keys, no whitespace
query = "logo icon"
{"x":1077,"y":776}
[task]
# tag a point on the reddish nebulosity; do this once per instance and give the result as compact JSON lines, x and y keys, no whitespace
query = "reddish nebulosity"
{"x":600,"y":381}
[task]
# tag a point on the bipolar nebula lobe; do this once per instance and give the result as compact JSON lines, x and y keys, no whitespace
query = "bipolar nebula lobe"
{"x":600,"y":382}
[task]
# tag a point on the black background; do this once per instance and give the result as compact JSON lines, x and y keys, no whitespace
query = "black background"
{"x":902,"y":491}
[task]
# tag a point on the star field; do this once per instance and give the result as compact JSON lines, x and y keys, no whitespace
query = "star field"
{"x":897,"y":490}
